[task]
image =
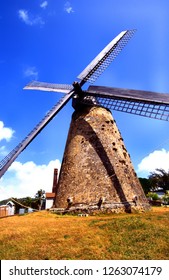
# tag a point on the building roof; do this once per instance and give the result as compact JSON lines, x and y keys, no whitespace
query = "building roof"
{"x":10,"y":203}
{"x":50,"y":195}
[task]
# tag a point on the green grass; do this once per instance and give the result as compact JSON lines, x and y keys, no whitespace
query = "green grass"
{"x":45,"y":235}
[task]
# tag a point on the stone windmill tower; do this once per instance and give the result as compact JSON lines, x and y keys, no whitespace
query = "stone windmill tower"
{"x":96,"y":172}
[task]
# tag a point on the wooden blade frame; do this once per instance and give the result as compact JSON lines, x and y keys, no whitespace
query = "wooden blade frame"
{"x":143,"y":103}
{"x":105,"y":57}
{"x":35,"y":85}
{"x":9,"y":159}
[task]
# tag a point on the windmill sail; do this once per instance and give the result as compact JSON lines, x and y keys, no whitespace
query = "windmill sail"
{"x":144,"y":103}
{"x":9,"y":159}
{"x":90,"y":73}
{"x":64,"y":88}
{"x":105,"y":57}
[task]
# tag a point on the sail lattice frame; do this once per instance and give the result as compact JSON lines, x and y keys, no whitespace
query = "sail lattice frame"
{"x":142,"y":108}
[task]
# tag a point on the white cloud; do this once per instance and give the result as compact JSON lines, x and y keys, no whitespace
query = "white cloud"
{"x":26,"y":179}
{"x":156,"y":159}
{"x":68,"y":8}
{"x":31,"y":72}
{"x":5,"y":132}
{"x":29,"y":19}
{"x":23,"y":14}
{"x":44,"y":4}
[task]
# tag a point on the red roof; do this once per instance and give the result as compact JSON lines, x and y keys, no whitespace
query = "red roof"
{"x":50,"y":195}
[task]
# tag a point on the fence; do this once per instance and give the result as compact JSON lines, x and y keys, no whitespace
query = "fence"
{"x":4,"y":211}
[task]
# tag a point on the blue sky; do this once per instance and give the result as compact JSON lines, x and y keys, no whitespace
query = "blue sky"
{"x":53,"y":41}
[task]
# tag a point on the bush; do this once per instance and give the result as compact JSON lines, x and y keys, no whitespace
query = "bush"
{"x":153,"y":196}
{"x":165,"y":199}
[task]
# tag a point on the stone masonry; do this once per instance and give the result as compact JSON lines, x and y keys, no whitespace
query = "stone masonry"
{"x":97,"y":173}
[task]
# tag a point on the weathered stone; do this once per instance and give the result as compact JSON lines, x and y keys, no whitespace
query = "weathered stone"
{"x":97,"y":173}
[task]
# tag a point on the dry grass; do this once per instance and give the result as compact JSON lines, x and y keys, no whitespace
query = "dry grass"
{"x":45,"y":235}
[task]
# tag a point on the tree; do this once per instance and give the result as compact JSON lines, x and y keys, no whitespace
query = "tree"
{"x":159,"y":179}
{"x":165,"y":198}
{"x":153,"y":196}
{"x":40,"y":195}
{"x":25,"y":202}
{"x":145,"y":183}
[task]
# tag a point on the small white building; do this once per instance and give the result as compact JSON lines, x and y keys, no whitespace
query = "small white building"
{"x":50,"y":197}
{"x":8,"y":209}
{"x":11,"y":208}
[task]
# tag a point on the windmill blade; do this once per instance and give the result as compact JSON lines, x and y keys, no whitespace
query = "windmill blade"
{"x":144,"y":103}
{"x":9,"y":159}
{"x":142,"y":95}
{"x":105,"y":57}
{"x":64,"y":88}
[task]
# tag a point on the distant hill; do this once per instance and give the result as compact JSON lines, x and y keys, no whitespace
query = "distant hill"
{"x":4,"y":202}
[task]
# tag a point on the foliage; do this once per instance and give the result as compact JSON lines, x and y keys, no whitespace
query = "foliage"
{"x":26,"y":201}
{"x":35,"y":203}
{"x":159,"y":179}
{"x":153,"y":196}
{"x":165,"y":198}
{"x":145,"y":183}
{"x":40,"y":196}
{"x":3,"y":202}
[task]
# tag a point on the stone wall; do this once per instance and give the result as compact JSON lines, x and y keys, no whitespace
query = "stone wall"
{"x":96,"y":171}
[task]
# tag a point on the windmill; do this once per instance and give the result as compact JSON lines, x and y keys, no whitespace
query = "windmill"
{"x":96,"y":172}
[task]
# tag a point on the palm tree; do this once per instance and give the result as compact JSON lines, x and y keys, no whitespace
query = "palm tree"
{"x":159,"y":179}
{"x":40,"y":195}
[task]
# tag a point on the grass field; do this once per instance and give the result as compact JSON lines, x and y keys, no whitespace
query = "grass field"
{"x":43,"y":236}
